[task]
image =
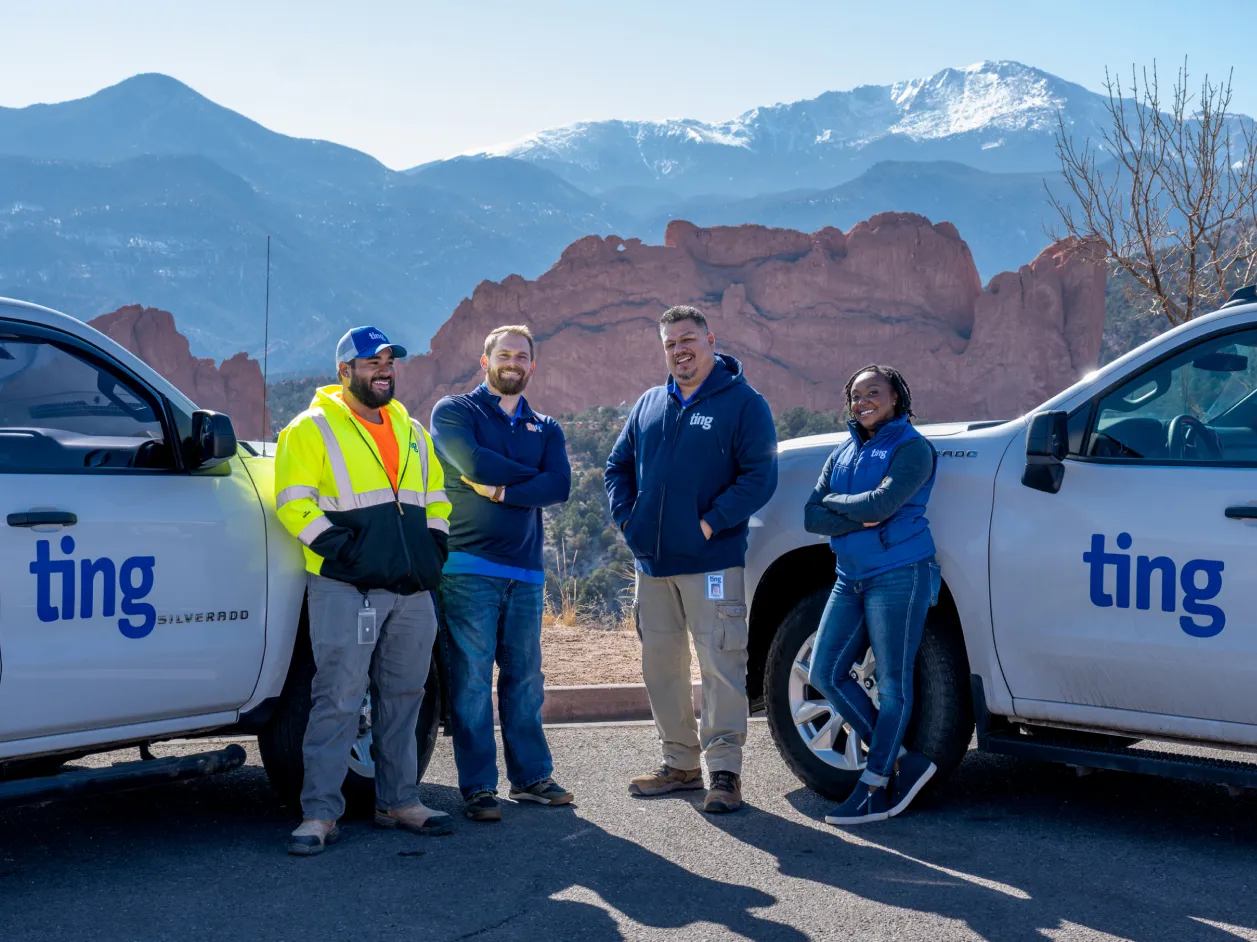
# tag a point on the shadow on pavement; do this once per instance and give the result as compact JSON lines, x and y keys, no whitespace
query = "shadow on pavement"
{"x":988,"y":852}
{"x":175,"y":862}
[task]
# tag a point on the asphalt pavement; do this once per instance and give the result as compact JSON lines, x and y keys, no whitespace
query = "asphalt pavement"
{"x":1010,"y":850}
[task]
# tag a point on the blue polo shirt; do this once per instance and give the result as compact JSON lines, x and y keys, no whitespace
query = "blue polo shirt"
{"x":686,"y":400}
{"x":524,"y":452}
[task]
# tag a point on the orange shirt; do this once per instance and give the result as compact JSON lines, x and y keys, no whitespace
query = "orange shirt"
{"x":386,"y":441}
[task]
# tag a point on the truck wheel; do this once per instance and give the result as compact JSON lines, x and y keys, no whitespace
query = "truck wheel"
{"x":279,"y":742}
{"x":811,"y":735}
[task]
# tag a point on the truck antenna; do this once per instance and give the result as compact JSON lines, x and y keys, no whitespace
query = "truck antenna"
{"x":266,"y":349}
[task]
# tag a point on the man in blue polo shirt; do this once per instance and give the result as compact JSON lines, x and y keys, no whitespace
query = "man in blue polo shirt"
{"x":503,"y":463}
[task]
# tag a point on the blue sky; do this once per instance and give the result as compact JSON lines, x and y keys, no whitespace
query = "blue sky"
{"x":409,"y":82}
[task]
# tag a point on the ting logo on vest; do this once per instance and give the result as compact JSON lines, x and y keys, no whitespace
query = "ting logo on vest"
{"x":703,"y":420}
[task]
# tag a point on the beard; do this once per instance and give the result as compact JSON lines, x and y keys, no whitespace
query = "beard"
{"x":365,"y":393}
{"x":685,"y":371}
{"x":508,"y":385}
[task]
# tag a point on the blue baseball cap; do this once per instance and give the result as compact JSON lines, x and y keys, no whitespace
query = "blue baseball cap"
{"x":364,"y":342}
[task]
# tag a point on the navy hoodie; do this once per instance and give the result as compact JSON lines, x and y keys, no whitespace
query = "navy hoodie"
{"x":713,"y":459}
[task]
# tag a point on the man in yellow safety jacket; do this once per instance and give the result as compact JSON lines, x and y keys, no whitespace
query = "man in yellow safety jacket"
{"x":357,"y":481}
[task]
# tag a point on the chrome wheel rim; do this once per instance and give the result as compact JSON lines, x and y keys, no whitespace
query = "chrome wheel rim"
{"x":361,"y":753}
{"x":818,"y":724}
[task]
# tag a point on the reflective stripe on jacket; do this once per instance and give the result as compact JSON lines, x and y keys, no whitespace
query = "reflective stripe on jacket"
{"x":333,"y":494}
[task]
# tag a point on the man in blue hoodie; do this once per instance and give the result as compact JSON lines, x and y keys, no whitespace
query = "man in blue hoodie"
{"x":697,"y":457}
{"x":503,"y":462}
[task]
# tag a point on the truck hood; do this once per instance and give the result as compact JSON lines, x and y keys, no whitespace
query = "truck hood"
{"x":933,"y":431}
{"x":257,"y":449}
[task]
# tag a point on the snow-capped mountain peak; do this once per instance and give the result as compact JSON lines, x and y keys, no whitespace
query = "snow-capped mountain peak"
{"x":1005,"y":95}
{"x":967,"y":113}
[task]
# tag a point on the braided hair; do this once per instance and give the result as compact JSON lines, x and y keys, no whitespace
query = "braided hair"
{"x":903,"y":395}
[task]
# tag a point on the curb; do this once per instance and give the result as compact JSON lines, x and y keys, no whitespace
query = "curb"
{"x":599,"y":703}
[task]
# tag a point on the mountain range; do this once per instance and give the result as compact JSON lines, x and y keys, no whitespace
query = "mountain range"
{"x":149,"y":193}
{"x":996,"y":116}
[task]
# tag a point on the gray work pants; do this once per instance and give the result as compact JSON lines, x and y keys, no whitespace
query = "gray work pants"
{"x":397,"y":667}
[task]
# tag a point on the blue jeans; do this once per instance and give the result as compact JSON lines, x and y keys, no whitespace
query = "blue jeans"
{"x":888,"y":612}
{"x":488,"y":618}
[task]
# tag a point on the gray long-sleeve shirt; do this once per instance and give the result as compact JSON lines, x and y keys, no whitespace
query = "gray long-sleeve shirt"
{"x":839,"y":514}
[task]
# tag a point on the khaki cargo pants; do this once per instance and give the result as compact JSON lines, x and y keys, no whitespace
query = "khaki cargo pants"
{"x":714,"y":611}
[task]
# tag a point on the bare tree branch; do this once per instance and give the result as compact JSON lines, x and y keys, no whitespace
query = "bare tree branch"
{"x":1169,"y":192}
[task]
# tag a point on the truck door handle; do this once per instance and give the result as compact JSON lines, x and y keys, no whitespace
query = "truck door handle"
{"x":1244,"y":512}
{"x":43,"y":518}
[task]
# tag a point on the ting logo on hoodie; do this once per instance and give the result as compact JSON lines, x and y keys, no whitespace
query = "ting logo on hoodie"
{"x":703,"y":420}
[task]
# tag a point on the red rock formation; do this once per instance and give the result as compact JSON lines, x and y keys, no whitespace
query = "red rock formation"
{"x":801,"y":312}
{"x":235,"y":387}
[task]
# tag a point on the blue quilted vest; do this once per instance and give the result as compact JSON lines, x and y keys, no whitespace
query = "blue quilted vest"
{"x":904,"y":538}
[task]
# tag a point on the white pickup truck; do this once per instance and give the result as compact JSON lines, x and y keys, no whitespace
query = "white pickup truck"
{"x":1099,"y":564}
{"x":147,"y":589}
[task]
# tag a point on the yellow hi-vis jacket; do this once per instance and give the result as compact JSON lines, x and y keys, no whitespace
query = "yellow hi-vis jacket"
{"x":333,"y":494}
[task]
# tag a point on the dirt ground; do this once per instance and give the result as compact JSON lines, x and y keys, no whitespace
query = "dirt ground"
{"x":572,"y":656}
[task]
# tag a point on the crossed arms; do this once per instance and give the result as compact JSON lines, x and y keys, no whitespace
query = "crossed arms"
{"x":486,"y":470}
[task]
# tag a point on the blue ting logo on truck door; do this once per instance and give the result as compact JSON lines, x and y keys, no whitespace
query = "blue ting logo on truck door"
{"x":128,"y":582}
{"x":132,"y":580}
{"x":1201,"y":620}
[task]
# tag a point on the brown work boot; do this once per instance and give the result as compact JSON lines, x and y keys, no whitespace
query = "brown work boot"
{"x":725,"y":794}
{"x":665,"y":779}
{"x":417,"y":819}
{"x":312,"y":836}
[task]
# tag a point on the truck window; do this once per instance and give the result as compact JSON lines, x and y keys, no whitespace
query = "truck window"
{"x":61,"y":412}
{"x":1196,"y":407}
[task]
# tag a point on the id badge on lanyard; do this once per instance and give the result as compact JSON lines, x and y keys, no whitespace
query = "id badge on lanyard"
{"x":368,"y":628}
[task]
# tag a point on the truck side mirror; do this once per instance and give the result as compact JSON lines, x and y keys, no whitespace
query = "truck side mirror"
{"x":1047,"y":444}
{"x":213,"y":439}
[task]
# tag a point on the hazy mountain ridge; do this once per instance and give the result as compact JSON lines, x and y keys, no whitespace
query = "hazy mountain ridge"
{"x":183,"y":234}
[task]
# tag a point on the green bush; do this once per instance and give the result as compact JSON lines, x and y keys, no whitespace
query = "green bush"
{"x":798,"y":422}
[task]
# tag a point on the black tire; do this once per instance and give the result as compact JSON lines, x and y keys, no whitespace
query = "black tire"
{"x":279,"y":742}
{"x":942,"y":721}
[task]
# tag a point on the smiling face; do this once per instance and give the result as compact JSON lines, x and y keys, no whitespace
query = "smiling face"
{"x":508,"y":365}
{"x":689,"y":350}
{"x":872,"y":400}
{"x":370,"y":380}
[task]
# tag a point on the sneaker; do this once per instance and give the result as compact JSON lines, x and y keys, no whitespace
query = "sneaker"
{"x":912,"y":771}
{"x":665,"y":779}
{"x":545,"y":792}
{"x":483,"y":806}
{"x":417,"y":819}
{"x":725,"y":794}
{"x":865,"y":805}
{"x":312,"y":836}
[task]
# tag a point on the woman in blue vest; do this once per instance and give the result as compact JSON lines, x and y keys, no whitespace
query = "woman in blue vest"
{"x":870,"y":501}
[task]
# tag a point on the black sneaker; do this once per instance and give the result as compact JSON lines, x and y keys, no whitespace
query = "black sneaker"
{"x":865,"y":805}
{"x":483,"y":806}
{"x":545,"y":792}
{"x":912,"y":771}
